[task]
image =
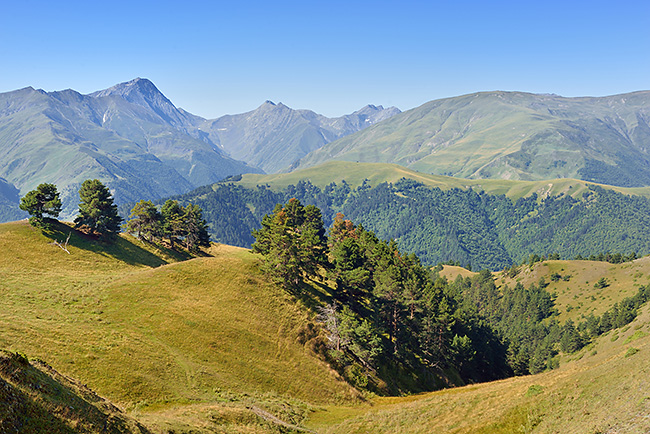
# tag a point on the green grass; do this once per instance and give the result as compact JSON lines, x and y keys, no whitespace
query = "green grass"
{"x":208,"y":345}
{"x":34,"y":398}
{"x":577,"y":296}
{"x":151,"y":334}
{"x":504,"y":135}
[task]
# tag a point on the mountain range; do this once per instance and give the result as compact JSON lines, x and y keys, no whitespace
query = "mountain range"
{"x":511,"y":135}
{"x":141,"y":145}
{"x":274,"y":136}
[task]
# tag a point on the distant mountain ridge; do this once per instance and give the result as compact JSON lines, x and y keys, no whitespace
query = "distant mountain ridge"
{"x":129,"y":136}
{"x":134,"y":139}
{"x":511,"y":135}
{"x":274,"y":136}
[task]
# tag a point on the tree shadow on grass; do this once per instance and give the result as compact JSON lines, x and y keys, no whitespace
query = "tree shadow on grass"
{"x":120,"y":248}
{"x":313,"y":294}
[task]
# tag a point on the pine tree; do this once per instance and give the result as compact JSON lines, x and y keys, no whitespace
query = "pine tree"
{"x":172,"y":221}
{"x":97,"y":212}
{"x":145,"y":220}
{"x":44,"y":200}
{"x":292,"y":241}
{"x":195,"y":228}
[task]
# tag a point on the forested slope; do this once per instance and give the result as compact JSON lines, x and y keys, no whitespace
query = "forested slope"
{"x":459,"y":225}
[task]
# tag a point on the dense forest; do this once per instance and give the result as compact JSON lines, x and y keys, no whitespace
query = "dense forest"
{"x":394,"y":325}
{"x":470,"y":228}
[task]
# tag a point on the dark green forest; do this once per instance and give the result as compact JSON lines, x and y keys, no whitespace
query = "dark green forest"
{"x":473,"y":229}
{"x":394,"y":325}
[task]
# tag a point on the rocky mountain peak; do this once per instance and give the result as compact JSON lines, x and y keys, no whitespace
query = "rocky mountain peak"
{"x":143,"y":92}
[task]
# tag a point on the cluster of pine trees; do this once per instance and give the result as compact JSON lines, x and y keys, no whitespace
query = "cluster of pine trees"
{"x":173,"y":222}
{"x":98,"y":215}
{"x":97,"y":212}
{"x":392,"y":320}
{"x":390,"y":316}
{"x":387,"y":314}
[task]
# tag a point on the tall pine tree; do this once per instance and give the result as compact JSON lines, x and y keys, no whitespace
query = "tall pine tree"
{"x":292,"y":241}
{"x":97,"y":212}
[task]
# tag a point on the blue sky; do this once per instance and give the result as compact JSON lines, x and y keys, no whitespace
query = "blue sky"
{"x":214,"y":58}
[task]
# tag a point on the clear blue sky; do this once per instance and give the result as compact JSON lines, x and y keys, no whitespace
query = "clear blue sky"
{"x":213,"y":58}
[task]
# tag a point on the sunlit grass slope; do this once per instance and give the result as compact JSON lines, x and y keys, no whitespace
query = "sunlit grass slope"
{"x":576,"y":292}
{"x":355,"y":173}
{"x":150,"y":335}
{"x":575,"y":283}
{"x":604,"y":388}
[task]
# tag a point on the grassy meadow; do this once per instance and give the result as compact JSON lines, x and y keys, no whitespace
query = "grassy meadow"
{"x":151,"y":333}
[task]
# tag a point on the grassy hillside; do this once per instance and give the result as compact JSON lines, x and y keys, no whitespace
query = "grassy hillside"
{"x":602,"y":389}
{"x":355,"y":173}
{"x":35,"y":398}
{"x":578,"y":295}
{"x":574,"y":283}
{"x":150,"y":333}
{"x":207,"y":345}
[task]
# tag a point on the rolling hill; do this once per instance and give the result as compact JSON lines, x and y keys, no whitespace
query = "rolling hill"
{"x":511,"y":135}
{"x":208,"y":345}
{"x":151,"y":333}
{"x":355,"y":174}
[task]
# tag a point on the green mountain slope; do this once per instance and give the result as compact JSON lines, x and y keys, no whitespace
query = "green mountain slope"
{"x":356,"y":173}
{"x":483,"y":223}
{"x":511,"y":135}
{"x":274,"y":136}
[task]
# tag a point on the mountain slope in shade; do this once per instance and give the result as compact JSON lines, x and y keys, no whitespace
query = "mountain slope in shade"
{"x":274,"y":136}
{"x":511,"y":135}
{"x":129,"y":136}
{"x":9,"y":201}
{"x":35,"y":398}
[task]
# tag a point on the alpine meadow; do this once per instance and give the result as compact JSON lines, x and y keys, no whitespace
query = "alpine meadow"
{"x":476,"y":263}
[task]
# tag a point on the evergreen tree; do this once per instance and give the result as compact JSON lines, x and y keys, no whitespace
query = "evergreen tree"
{"x":172,"y":221}
{"x":97,"y":212}
{"x":44,"y":200}
{"x":292,"y":241}
{"x":195,"y":228}
{"x":145,"y":221}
